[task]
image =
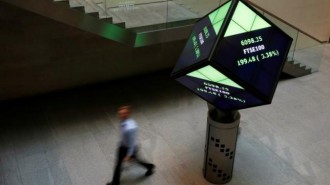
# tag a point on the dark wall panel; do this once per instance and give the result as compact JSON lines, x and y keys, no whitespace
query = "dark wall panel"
{"x":40,"y":55}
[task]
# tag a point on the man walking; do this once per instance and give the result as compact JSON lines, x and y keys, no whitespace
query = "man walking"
{"x":128,"y":149}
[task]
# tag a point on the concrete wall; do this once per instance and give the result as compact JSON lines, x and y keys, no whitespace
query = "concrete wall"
{"x":311,"y":16}
{"x":39,"y":55}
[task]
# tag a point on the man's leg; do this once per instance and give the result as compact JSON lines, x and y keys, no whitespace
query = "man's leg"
{"x":150,"y":167}
{"x":120,"y":157}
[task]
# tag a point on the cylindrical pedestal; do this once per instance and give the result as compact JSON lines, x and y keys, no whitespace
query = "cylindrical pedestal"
{"x":220,"y":147}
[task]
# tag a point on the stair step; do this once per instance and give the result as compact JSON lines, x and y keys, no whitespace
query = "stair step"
{"x":121,"y":24}
{"x":90,"y":7}
{"x":291,"y":62}
{"x":94,"y":14}
{"x":98,"y":1}
{"x":63,"y":2}
{"x":102,"y":14}
{"x":79,"y":8}
{"x":108,"y":19}
{"x":93,"y":6}
{"x":75,"y":3}
{"x":295,"y":69}
{"x":113,"y":18}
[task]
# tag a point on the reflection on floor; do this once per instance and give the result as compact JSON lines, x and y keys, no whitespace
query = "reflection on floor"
{"x":70,"y":138}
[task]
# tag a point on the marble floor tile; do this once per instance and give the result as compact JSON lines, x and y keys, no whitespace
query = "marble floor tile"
{"x":38,"y":177}
{"x":8,"y":162}
{"x":274,"y":142}
{"x":71,"y":138}
{"x":12,"y":178}
{"x":2,"y":181}
{"x":60,"y":174}
{"x":292,"y":156}
{"x":32,"y":163}
{"x":313,"y":172}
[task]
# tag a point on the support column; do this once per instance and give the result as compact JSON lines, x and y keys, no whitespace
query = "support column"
{"x":220,"y":145}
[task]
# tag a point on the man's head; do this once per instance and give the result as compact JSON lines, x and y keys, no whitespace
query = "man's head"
{"x":124,"y":112}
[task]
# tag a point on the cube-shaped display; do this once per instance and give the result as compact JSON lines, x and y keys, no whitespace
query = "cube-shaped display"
{"x":233,"y":57}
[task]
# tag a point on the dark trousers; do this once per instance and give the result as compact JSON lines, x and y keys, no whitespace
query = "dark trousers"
{"x":121,"y":154}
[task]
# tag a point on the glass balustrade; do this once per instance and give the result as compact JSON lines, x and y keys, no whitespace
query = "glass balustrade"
{"x":141,"y":13}
{"x":308,"y":52}
{"x":305,"y":50}
{"x":166,"y":14}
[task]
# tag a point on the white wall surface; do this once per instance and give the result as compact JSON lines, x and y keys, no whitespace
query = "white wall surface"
{"x":311,"y":16}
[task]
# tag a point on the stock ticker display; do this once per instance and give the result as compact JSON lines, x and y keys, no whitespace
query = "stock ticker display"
{"x":233,"y":57}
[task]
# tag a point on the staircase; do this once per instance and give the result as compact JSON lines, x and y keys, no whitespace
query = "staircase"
{"x":145,"y":18}
{"x":123,"y":23}
{"x":141,"y":13}
{"x":93,"y":8}
{"x":292,"y":69}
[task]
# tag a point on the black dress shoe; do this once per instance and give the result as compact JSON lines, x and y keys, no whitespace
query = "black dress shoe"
{"x":150,"y":171}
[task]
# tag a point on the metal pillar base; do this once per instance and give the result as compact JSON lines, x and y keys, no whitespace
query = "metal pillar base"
{"x":220,"y":145}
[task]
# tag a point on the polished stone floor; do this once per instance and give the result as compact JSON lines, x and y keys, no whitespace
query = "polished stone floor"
{"x":70,"y":138}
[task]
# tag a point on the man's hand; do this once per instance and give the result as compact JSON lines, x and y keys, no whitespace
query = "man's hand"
{"x":127,"y":158}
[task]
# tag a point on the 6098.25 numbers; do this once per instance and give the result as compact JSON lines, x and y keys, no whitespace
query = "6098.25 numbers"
{"x":249,"y":41}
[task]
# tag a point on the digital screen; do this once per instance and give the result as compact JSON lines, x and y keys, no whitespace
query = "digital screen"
{"x":202,"y":38}
{"x":217,"y":88}
{"x":253,"y":50}
{"x":233,"y":58}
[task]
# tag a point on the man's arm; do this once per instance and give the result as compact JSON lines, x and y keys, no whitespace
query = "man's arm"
{"x":130,"y":138}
